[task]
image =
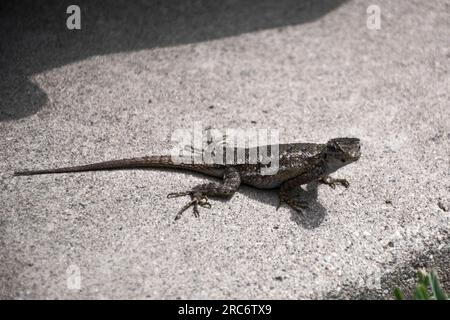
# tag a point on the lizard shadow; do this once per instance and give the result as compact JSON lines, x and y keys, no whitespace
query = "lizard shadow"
{"x":35,"y":37}
{"x":310,"y":218}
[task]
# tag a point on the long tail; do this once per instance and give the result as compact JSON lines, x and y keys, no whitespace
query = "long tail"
{"x":144,"y":162}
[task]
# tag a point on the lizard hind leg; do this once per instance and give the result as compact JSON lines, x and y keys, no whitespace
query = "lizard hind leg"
{"x":199,"y":194}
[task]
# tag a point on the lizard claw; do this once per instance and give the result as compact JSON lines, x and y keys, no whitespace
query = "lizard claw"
{"x":344,"y":182}
{"x":178,"y":194}
{"x":280,"y":202}
{"x":205,"y":205}
{"x":178,"y":216}
{"x":196,"y":201}
{"x":333,"y":182}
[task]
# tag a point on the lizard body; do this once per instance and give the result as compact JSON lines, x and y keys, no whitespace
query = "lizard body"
{"x":297,"y":164}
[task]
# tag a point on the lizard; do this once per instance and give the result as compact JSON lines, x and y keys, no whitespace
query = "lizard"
{"x":298,"y":164}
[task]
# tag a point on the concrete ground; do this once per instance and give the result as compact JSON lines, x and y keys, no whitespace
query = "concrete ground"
{"x":134,"y":74}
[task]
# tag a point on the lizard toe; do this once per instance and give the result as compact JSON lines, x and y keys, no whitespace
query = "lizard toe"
{"x":178,"y":194}
{"x":197,"y":200}
{"x":345,"y":183}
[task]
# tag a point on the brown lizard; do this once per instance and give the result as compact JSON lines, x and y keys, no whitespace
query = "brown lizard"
{"x":297,"y":164}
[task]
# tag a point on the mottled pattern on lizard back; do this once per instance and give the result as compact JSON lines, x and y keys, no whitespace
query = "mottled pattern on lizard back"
{"x":293,"y":160}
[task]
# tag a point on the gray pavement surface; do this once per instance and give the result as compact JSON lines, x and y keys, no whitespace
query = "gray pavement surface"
{"x":135,"y":73}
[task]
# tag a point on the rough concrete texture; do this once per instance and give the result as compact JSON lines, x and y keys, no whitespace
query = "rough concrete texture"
{"x":135,"y":73}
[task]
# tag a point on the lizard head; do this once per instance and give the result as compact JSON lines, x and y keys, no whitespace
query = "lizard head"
{"x":342,"y":151}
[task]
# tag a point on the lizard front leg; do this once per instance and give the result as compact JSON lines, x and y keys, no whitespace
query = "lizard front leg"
{"x":332,"y":182}
{"x":199,"y":194}
{"x":286,"y":189}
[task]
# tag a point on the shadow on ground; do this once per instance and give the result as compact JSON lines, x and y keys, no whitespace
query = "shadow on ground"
{"x":310,"y":218}
{"x":35,"y":37}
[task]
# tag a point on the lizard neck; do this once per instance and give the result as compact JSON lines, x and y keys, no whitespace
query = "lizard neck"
{"x":331,"y":165}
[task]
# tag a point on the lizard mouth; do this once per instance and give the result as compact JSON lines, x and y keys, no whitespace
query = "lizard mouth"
{"x":355,"y":157}
{"x":351,"y":158}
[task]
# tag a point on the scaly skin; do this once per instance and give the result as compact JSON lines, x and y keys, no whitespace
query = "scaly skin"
{"x":298,"y":164}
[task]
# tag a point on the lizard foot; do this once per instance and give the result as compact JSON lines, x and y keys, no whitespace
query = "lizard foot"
{"x":332,"y":182}
{"x":295,"y":204}
{"x":197,"y":199}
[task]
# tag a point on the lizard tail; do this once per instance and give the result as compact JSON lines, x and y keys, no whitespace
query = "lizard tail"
{"x":149,"y":162}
